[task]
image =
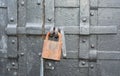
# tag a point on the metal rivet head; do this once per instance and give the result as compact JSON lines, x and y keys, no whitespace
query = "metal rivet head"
{"x":83,"y":63}
{"x":11,"y":19}
{"x":49,"y":19}
{"x":38,"y":3}
{"x":49,"y":64}
{"x":83,"y":40}
{"x":13,"y":64}
{"x":92,"y":46}
{"x":22,"y":3}
{"x":22,"y":54}
{"x":8,"y":69}
{"x":91,"y":14}
{"x":53,"y":68}
{"x":84,"y":19}
{"x":91,"y":66}
{"x":39,"y":54}
{"x":13,"y":41}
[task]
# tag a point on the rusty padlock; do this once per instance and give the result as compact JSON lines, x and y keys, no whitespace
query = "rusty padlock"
{"x":52,"y":49}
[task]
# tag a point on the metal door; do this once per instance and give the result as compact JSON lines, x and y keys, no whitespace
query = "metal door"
{"x":91,"y":33}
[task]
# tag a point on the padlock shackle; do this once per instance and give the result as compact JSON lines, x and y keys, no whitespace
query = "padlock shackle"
{"x":59,"y":35}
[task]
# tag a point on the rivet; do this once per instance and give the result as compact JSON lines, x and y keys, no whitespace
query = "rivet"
{"x":22,"y":3}
{"x":8,"y":69}
{"x":15,"y":73}
{"x":83,"y":63}
{"x":83,"y":40}
{"x":84,"y":19}
{"x":13,"y":64}
{"x":38,"y":3}
{"x":53,"y":68}
{"x":39,"y":54}
{"x":49,"y":19}
{"x":91,"y":66}
{"x":49,"y":64}
{"x":11,"y":19}
{"x":13,"y":41}
{"x":22,"y":54}
{"x":91,"y":14}
{"x":92,"y":46}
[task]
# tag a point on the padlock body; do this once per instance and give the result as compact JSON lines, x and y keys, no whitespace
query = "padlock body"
{"x":52,"y":50}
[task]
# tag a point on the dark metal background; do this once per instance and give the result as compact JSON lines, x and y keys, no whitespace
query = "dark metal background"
{"x":92,"y":34}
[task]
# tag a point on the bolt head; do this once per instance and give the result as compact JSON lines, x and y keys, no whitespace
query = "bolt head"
{"x":13,"y":41}
{"x":39,"y":54}
{"x":83,"y":63}
{"x":13,"y":63}
{"x":8,"y":69}
{"x":49,"y":19}
{"x":22,"y":54}
{"x":12,"y":19}
{"x":91,"y":66}
{"x":84,"y":19}
{"x":49,"y":64}
{"x":53,"y":68}
{"x":92,"y":46}
{"x":38,"y":3}
{"x":91,"y":14}
{"x":83,"y":40}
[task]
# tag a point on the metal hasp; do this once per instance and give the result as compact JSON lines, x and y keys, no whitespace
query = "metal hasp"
{"x":35,"y":29}
{"x":64,"y":44}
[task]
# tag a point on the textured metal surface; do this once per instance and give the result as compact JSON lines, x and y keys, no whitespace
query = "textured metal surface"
{"x":12,"y":47}
{"x":66,"y":3}
{"x":92,"y":37}
{"x":84,"y":22}
{"x":22,"y":49}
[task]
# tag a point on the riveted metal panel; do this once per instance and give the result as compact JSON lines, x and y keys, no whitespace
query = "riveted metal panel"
{"x":91,"y":36}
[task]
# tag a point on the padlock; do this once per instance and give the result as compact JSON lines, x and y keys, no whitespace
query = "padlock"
{"x":52,"y":49}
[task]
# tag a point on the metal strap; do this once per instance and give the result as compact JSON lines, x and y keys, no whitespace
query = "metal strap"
{"x":84,"y":28}
{"x":36,"y":29}
{"x":12,"y":25}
